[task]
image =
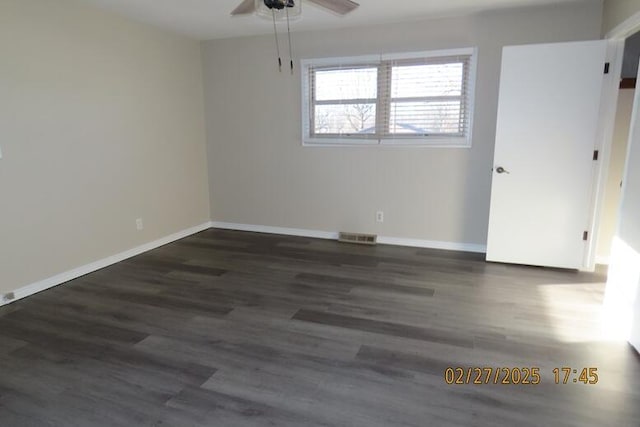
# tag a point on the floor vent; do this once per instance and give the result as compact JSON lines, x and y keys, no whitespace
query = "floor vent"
{"x":362,"y":239}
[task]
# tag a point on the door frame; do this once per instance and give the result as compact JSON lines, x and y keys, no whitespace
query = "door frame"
{"x":573,"y":166}
{"x":609,"y":105}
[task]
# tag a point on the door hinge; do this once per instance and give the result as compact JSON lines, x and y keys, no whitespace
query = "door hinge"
{"x":596,"y":154}
{"x":585,"y":236}
{"x":606,"y":68}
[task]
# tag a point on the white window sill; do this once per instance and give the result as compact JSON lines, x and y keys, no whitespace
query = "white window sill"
{"x":400,"y":142}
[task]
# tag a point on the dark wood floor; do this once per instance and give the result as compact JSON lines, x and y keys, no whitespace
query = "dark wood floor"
{"x":240,"y":329}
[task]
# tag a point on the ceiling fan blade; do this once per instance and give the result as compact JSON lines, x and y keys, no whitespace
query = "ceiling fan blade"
{"x":341,"y":7}
{"x":245,"y":8}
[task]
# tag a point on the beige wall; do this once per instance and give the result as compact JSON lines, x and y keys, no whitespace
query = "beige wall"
{"x":260,"y":173}
{"x":616,"y":169}
{"x":102,"y":123}
{"x":616,"y":12}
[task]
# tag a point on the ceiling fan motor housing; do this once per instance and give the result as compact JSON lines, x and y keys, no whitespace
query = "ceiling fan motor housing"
{"x":279,"y":4}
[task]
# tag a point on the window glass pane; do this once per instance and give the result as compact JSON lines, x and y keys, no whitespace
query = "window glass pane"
{"x":425,"y":117}
{"x":356,"y":83}
{"x":345,"y":118}
{"x":427,"y":80}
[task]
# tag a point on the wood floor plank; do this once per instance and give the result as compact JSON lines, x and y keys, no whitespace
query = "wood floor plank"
{"x":386,"y":328}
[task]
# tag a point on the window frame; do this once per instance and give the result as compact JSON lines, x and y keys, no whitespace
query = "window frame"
{"x":436,"y":141}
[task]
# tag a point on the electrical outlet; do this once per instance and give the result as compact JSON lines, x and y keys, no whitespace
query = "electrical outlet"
{"x":379,"y":216}
{"x":139,"y":224}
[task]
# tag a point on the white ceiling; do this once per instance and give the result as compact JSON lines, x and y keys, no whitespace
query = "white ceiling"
{"x":210,"y":19}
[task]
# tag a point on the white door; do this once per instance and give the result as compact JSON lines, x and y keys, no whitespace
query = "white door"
{"x":543,"y":163}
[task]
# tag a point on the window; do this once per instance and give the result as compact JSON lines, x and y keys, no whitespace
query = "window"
{"x":417,"y":99}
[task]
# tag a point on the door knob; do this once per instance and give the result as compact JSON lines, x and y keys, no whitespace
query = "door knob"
{"x":500,"y":169}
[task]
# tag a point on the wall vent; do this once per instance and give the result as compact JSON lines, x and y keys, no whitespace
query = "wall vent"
{"x":361,"y":239}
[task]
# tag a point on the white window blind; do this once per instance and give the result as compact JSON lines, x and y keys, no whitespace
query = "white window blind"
{"x":416,"y":99}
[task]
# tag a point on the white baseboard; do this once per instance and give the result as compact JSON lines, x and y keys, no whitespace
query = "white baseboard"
{"x":397,"y":241}
{"x":100,"y":264}
{"x":432,"y":244}
{"x":275,"y":230}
